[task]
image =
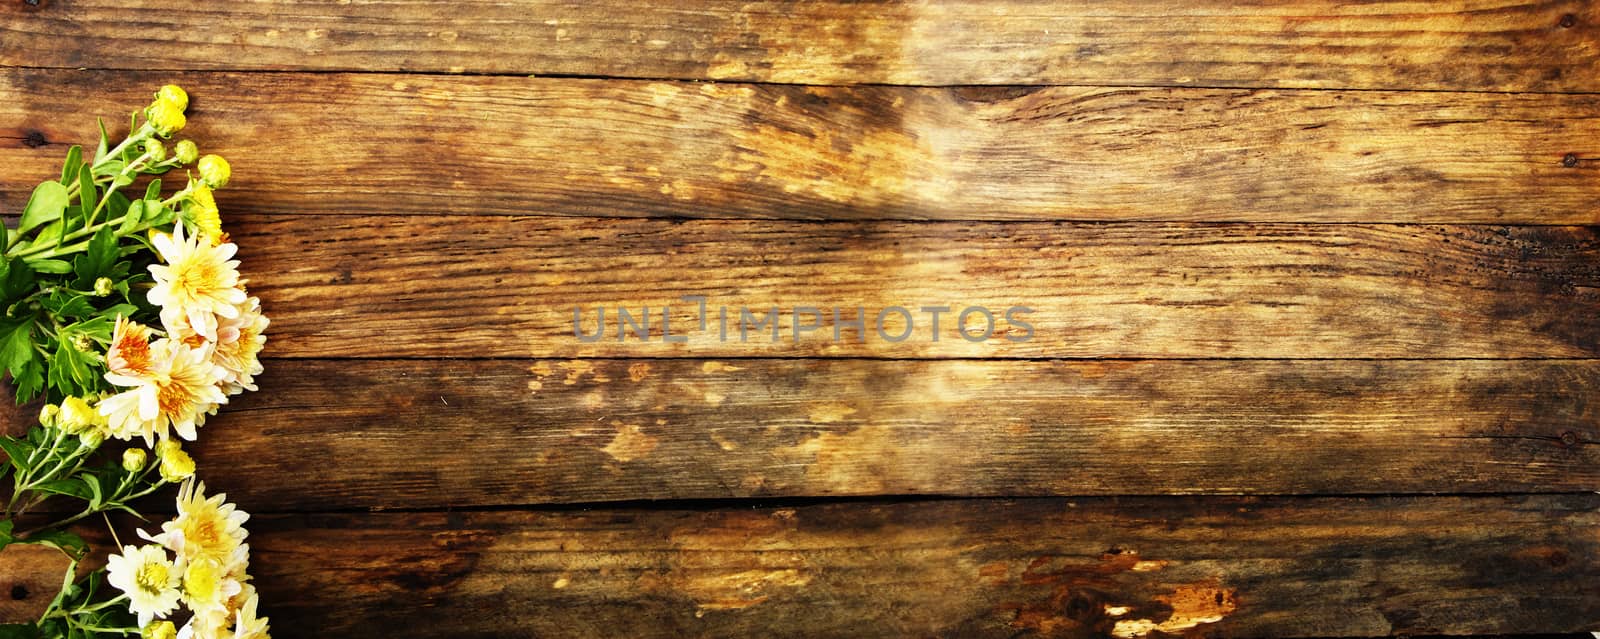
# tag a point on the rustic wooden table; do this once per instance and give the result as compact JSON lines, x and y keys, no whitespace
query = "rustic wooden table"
{"x":1316,"y":309}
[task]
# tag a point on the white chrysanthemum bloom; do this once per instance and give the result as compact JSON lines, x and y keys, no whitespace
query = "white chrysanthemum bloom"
{"x":205,"y":528}
{"x":246,"y":625}
{"x":148,"y":578}
{"x":209,"y":626}
{"x":238,"y":347}
{"x":213,"y":621}
{"x":207,"y":586}
{"x":199,"y":280}
{"x":178,"y":392}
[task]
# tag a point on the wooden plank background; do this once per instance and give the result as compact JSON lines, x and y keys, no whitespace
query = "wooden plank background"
{"x":1311,"y":252}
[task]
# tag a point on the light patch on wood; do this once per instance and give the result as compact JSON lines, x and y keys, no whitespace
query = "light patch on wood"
{"x":1148,"y":565}
{"x":718,"y":367}
{"x":875,"y":167}
{"x":867,"y":460}
{"x":638,"y":372}
{"x":714,"y":398}
{"x":723,"y":67}
{"x":1117,"y":611}
{"x":741,"y":590}
{"x":577,"y":368}
{"x":723,"y":442}
{"x":561,"y":582}
{"x":830,"y":412}
{"x":1192,"y":605}
{"x":630,"y":443}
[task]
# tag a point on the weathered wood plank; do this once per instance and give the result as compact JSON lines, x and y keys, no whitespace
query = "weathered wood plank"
{"x":1235,"y":567}
{"x":339,"y":144}
{"x":424,"y":434}
{"x":439,"y":286}
{"x":1543,"y":45}
{"x":1048,"y":567}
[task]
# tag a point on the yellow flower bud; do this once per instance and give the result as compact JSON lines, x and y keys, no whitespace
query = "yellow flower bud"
{"x":166,"y":117}
{"x":133,"y":459}
{"x":159,"y":630}
{"x":185,"y":151}
{"x":214,"y":171}
{"x":48,"y":414}
{"x":93,"y":436}
{"x":155,"y":149}
{"x":174,"y":95}
{"x":104,"y":286}
{"x":202,"y":210}
{"x":77,"y":415}
{"x":176,"y":465}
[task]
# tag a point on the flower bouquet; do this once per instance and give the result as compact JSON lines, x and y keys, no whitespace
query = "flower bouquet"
{"x":126,"y":314}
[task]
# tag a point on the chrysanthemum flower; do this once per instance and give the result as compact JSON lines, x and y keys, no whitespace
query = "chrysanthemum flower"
{"x":205,"y":528}
{"x":148,"y":578}
{"x":177,"y":393}
{"x":128,"y":358}
{"x":198,"y":280}
{"x":159,"y":630}
{"x":246,"y":625}
{"x":206,"y":586}
{"x":238,"y":347}
{"x":175,"y":465}
{"x":202,"y":210}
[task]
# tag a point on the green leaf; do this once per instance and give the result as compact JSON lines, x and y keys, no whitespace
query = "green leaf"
{"x":97,"y":259}
{"x":53,"y":267}
{"x":16,"y":345}
{"x":17,"y":452}
{"x":61,"y":540}
{"x":51,"y":234}
{"x":29,"y":380}
{"x":71,"y":370}
{"x":68,"y":487}
{"x":69,"y":170}
{"x":88,"y":197}
{"x":45,"y":206}
{"x":16,"y":280}
{"x":105,"y":140}
{"x":131,"y":220}
{"x":19,"y":631}
{"x":119,"y":310}
{"x":68,"y":305}
{"x":153,"y":190}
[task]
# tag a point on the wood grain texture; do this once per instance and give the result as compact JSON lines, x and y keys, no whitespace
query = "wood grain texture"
{"x":434,"y":434}
{"x":1049,"y":568}
{"x":377,"y":287}
{"x":377,"y":144}
{"x":1543,"y":45}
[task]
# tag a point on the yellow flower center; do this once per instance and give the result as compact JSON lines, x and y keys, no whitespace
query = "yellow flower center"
{"x":174,"y":397}
{"x":152,"y":577}
{"x":205,"y":533}
{"x":200,"y":581}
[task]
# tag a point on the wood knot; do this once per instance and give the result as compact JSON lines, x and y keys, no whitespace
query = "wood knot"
{"x":1569,"y":439}
{"x":19,"y":592}
{"x":34,"y":139}
{"x":1569,"y":161}
{"x":1568,"y":20}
